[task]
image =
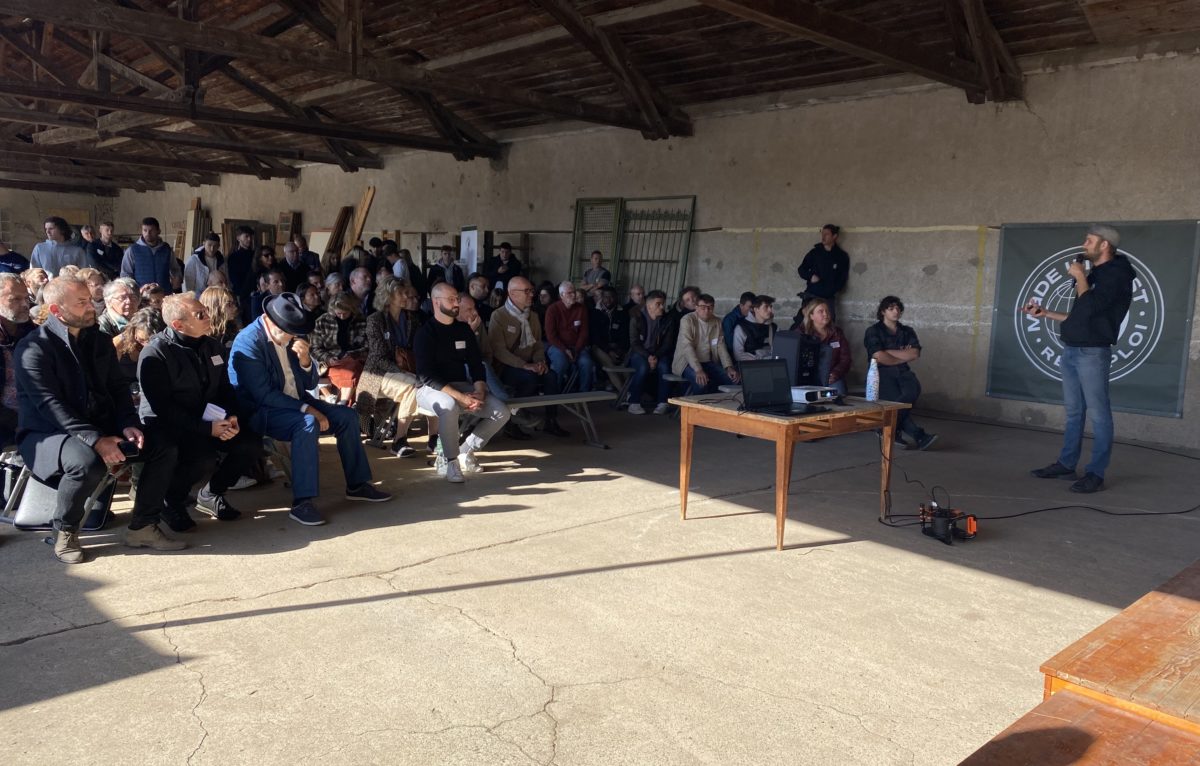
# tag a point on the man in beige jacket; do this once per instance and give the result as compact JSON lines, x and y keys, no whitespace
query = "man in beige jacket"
{"x":518,"y":355}
{"x":700,"y":352}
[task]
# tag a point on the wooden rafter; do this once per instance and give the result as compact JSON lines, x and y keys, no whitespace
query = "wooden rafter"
{"x":348,"y":36}
{"x":83,"y":14}
{"x":25,"y":163}
{"x":232,"y":117}
{"x":66,"y":187}
{"x":662,"y":118}
{"x":834,"y":30}
{"x":1000,"y":73}
{"x":261,"y":150}
{"x":92,"y":155}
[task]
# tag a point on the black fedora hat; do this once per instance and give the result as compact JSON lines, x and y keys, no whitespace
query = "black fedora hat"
{"x":288,"y":313}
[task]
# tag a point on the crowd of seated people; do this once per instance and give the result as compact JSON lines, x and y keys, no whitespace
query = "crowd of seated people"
{"x":184,"y":367}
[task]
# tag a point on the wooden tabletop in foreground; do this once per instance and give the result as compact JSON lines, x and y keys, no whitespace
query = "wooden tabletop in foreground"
{"x":728,"y":404}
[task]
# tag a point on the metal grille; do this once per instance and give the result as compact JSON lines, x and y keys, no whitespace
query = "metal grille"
{"x":596,"y":228}
{"x":644,"y":240}
{"x":656,"y":237}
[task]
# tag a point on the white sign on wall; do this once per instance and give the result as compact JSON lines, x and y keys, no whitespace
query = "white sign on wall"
{"x":468,"y":249}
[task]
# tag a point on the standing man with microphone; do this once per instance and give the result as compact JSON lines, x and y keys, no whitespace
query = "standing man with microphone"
{"x":1088,"y":331}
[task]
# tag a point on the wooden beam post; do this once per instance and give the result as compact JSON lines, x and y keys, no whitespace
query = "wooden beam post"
{"x":833,"y":30}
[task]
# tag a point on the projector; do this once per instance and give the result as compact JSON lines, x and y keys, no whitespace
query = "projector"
{"x":810,"y":394}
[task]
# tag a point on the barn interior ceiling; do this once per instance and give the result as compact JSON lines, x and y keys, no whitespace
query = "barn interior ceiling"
{"x":99,"y":95}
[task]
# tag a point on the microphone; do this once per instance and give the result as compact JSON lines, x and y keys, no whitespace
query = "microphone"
{"x":1080,"y":258}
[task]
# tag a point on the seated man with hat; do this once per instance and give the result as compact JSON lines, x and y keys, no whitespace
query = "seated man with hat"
{"x":272,"y":369}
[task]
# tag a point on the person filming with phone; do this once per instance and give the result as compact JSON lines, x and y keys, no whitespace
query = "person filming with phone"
{"x":1088,"y":331}
{"x":77,"y":420}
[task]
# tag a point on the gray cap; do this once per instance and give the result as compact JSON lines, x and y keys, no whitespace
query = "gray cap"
{"x":1106,"y":233}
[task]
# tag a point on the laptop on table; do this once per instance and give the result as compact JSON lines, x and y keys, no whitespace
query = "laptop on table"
{"x":767,"y":389}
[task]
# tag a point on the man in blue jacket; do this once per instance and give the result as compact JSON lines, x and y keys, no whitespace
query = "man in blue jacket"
{"x":77,"y":419}
{"x":151,"y":261}
{"x":272,"y":370}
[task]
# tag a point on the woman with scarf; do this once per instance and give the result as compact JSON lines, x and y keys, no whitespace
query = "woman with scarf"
{"x":389,"y":382}
{"x":339,"y":343}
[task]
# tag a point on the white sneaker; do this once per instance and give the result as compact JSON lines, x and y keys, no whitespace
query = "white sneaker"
{"x":468,"y":463}
{"x":453,"y":472}
{"x":439,"y":465}
{"x":636,"y":409}
{"x":661,"y":408}
{"x":243,"y":482}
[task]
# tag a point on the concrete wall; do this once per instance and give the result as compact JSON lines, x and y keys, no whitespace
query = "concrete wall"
{"x":920,"y":179}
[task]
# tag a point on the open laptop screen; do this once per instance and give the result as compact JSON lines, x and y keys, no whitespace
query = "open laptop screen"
{"x":765,"y":383}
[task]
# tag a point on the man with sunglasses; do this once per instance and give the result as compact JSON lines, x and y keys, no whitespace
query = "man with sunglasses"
{"x":190,"y":408}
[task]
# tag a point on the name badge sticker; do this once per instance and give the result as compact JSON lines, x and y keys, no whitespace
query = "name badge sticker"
{"x":835,"y":344}
{"x":217,"y":360}
{"x":460,"y":345}
{"x":576,"y":323}
{"x":510,"y":329}
{"x":713,"y":342}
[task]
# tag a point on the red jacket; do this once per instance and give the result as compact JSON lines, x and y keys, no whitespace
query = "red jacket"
{"x":567,"y":328}
{"x":840,"y":364}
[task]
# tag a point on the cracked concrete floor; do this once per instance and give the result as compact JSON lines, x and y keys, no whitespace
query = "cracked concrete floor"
{"x":556,"y":610}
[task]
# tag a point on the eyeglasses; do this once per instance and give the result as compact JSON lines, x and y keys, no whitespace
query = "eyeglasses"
{"x":528,"y":290}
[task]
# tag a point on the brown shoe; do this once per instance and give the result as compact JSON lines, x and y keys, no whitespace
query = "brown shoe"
{"x":152,"y":537}
{"x":66,"y":547}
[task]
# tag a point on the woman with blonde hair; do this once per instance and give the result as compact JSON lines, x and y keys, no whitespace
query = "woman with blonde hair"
{"x":835,"y":350}
{"x":389,"y":382}
{"x":224,"y":313}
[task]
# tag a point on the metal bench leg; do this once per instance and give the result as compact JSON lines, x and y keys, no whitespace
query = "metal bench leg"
{"x":591,"y":436}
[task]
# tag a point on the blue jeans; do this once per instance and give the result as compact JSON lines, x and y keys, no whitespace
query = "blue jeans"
{"x":1085,"y":389}
{"x":300,"y":429}
{"x":641,"y":370}
{"x":558,"y":361}
{"x":716,"y":377}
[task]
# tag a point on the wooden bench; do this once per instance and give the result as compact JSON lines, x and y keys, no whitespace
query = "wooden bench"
{"x":575,"y":403}
{"x":1126,"y":693}
{"x":1145,"y":660}
{"x":1069,"y":728}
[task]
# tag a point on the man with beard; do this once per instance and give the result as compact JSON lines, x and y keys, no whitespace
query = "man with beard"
{"x":518,"y":355}
{"x":77,"y":419}
{"x":14,"y":325}
{"x":450,"y":368}
{"x":150,"y":260}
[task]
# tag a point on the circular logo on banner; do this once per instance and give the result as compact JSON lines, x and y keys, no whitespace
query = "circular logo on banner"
{"x":1051,"y":285}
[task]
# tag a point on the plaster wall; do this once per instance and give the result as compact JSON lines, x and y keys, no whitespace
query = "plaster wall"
{"x":24,"y":212}
{"x":920,"y":180}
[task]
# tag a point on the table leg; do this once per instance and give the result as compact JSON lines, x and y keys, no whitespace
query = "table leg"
{"x":686,"y":432}
{"x":885,"y":470}
{"x":785,"y":446}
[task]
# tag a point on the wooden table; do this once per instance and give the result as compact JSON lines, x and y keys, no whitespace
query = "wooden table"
{"x":1146,"y":660}
{"x":720,"y":412}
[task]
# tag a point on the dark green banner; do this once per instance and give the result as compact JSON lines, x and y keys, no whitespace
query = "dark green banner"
{"x":1150,"y":357}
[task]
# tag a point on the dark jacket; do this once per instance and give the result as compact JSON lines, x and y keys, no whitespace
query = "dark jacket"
{"x":832,"y":266}
{"x":491,"y":270}
{"x":610,"y":332}
{"x":8,"y":401}
{"x":293,"y":276}
{"x":239,"y":265}
{"x":105,"y":258}
{"x":71,"y":386}
{"x":13,"y":262}
{"x":178,"y":376}
{"x":664,"y":346}
{"x":878,"y":338}
{"x":1095,"y":318}
{"x":455,"y":276}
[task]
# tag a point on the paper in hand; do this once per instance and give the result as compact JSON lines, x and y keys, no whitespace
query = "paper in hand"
{"x":213,"y":413}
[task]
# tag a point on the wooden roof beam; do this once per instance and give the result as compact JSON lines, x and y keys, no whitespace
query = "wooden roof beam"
{"x":61,"y":187}
{"x":35,"y":56}
{"x":833,"y":30}
{"x":24,"y":163}
{"x":84,"y":14}
{"x":91,"y":155}
{"x":1000,"y":73}
{"x":232,"y":117}
{"x":261,"y":150}
{"x":448,"y":125}
{"x":662,"y":117}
